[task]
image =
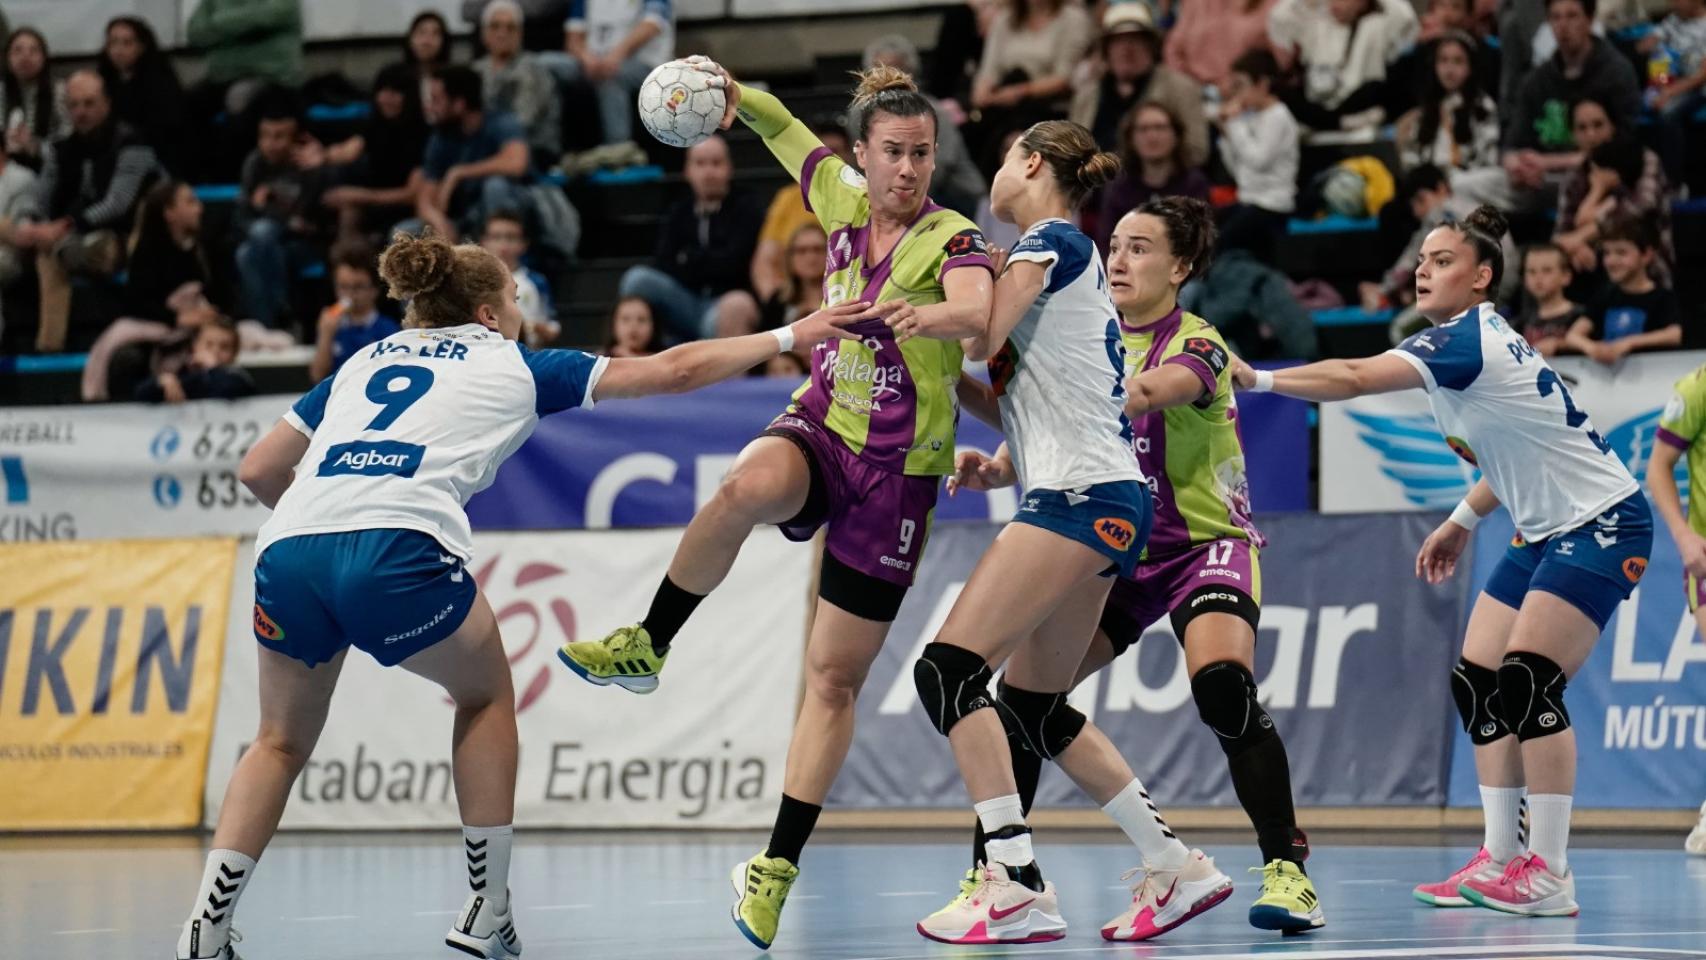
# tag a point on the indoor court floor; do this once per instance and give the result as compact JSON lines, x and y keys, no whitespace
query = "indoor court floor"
{"x":666,"y":896}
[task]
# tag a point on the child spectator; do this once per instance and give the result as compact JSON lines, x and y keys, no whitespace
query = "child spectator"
{"x":518,"y":84}
{"x":1547,"y":315}
{"x":1152,"y":163}
{"x":633,"y":330}
{"x":1634,"y":313}
{"x":505,"y":236}
{"x":1681,"y":40}
{"x":280,"y":189}
{"x":802,"y":291}
{"x":212,"y":372}
{"x":355,"y":321}
{"x":1259,"y":142}
{"x":144,"y":88}
{"x":1344,"y":49}
{"x":32,"y":107}
{"x":1456,"y":127}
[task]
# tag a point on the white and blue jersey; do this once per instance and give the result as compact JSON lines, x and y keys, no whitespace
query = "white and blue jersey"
{"x":417,"y":423}
{"x":1060,"y":377}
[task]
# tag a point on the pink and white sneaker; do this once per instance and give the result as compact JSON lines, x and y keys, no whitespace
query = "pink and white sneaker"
{"x":1527,"y":887}
{"x":1164,"y":899}
{"x":1444,"y":893}
{"x":997,"y":910}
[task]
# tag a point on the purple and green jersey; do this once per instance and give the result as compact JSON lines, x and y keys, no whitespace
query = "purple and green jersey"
{"x":892,"y":405}
{"x":1192,"y":454}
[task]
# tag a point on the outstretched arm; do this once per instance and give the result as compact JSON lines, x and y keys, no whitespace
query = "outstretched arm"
{"x":1328,"y":380}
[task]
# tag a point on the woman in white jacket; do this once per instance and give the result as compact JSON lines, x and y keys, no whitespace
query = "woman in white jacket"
{"x":1343,"y":48}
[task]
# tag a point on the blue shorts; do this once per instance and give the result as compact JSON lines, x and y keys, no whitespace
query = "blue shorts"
{"x":1111,"y":518}
{"x":1594,"y":567}
{"x":392,"y":593}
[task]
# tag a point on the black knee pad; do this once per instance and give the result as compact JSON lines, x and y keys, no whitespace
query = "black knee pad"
{"x":1531,"y":694}
{"x":1043,"y":723}
{"x":1226,"y":700}
{"x":952,"y":682}
{"x":1476,"y":691}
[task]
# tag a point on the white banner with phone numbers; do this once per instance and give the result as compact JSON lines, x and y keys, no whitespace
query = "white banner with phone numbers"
{"x":124,"y":471}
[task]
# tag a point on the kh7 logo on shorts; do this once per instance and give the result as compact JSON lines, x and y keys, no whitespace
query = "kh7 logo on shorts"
{"x":1634,"y":567}
{"x":265,"y":627}
{"x":1116,"y":533}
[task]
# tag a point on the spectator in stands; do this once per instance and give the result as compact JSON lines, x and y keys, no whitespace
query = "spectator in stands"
{"x":1427,"y":190}
{"x":212,"y":372}
{"x":32,"y":105}
{"x":802,"y":291}
{"x":1634,"y":313}
{"x":144,"y":88}
{"x":426,"y":51}
{"x":250,"y":44}
{"x":957,"y":53}
{"x":91,"y":181}
{"x":1682,"y":36}
{"x":633,"y":332}
{"x":280,"y":192}
{"x":1617,"y":177}
{"x":378,"y":171}
{"x":20,"y":203}
{"x":1210,"y":34}
{"x":355,"y":320}
{"x":957,"y":184}
{"x":612,"y":46}
{"x":1028,"y":59}
{"x":704,"y":253}
{"x":1252,"y":305}
{"x":516,"y":83}
{"x":1344,"y":49}
{"x":1132,"y":73}
{"x":788,"y":213}
{"x":1259,"y":143}
{"x":505,"y":236}
{"x":1152,"y":163}
{"x":1415,"y":67}
{"x":1547,"y":314}
{"x":476,"y":161}
{"x":169,"y":272}
{"x":1456,"y":127}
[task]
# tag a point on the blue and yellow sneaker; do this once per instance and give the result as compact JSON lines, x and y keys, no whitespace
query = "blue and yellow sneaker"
{"x":761,"y":888}
{"x":1288,"y":902}
{"x":624,"y":658}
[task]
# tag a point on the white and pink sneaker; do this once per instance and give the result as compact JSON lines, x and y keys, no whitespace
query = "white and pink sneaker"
{"x":1445,"y":894}
{"x":1164,"y":899}
{"x":997,"y":910}
{"x":1527,"y":887}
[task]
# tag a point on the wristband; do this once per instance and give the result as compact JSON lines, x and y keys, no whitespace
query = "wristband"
{"x":1464,"y":515}
{"x":784,"y":338}
{"x":1264,"y":382}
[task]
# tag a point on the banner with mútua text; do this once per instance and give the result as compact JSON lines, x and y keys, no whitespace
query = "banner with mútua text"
{"x":1385,"y":452}
{"x":706,"y":749}
{"x":110,"y":660}
{"x":1345,"y":628}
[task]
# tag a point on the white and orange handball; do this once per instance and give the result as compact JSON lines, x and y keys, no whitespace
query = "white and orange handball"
{"x":680,"y":104}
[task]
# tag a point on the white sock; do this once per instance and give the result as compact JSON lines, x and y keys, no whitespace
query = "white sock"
{"x":997,"y":814}
{"x":1132,"y":809}
{"x":1549,"y":837}
{"x":487,"y":849}
{"x":1502,"y":809}
{"x":222,"y":881}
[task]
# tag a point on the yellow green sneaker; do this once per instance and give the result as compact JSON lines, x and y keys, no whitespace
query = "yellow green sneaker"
{"x":624,"y":658}
{"x":968,"y":885}
{"x":761,"y":886}
{"x":1288,"y":902}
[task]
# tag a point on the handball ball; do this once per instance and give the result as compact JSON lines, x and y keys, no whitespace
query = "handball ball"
{"x":679,"y":106}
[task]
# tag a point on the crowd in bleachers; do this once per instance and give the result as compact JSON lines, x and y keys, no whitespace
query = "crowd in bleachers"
{"x":1586,"y":122}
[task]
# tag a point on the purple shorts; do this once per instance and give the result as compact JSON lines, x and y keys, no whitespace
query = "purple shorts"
{"x":878,"y":521}
{"x":1219,"y":576}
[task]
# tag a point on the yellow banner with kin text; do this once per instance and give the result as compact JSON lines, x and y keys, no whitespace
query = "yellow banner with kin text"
{"x":110,"y":655}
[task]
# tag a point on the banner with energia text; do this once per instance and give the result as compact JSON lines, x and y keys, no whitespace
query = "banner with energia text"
{"x":706,"y":749}
{"x":110,"y":660}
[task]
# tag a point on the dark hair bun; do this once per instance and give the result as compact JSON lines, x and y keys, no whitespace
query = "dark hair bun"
{"x":1098,"y":169}
{"x":412,"y":266}
{"x":1488,"y":220}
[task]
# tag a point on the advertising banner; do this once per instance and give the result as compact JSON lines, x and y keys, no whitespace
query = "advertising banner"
{"x":1638,"y":706}
{"x":109,"y":665}
{"x":1386,"y":453}
{"x":1345,"y":624}
{"x":705,"y":750}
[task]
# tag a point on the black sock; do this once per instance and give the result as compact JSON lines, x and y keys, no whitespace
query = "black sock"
{"x":1027,"y":771}
{"x":671,"y":607}
{"x":794,"y":822}
{"x":1262,"y":779}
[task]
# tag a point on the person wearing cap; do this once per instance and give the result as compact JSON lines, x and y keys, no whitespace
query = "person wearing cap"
{"x":1131,"y":72}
